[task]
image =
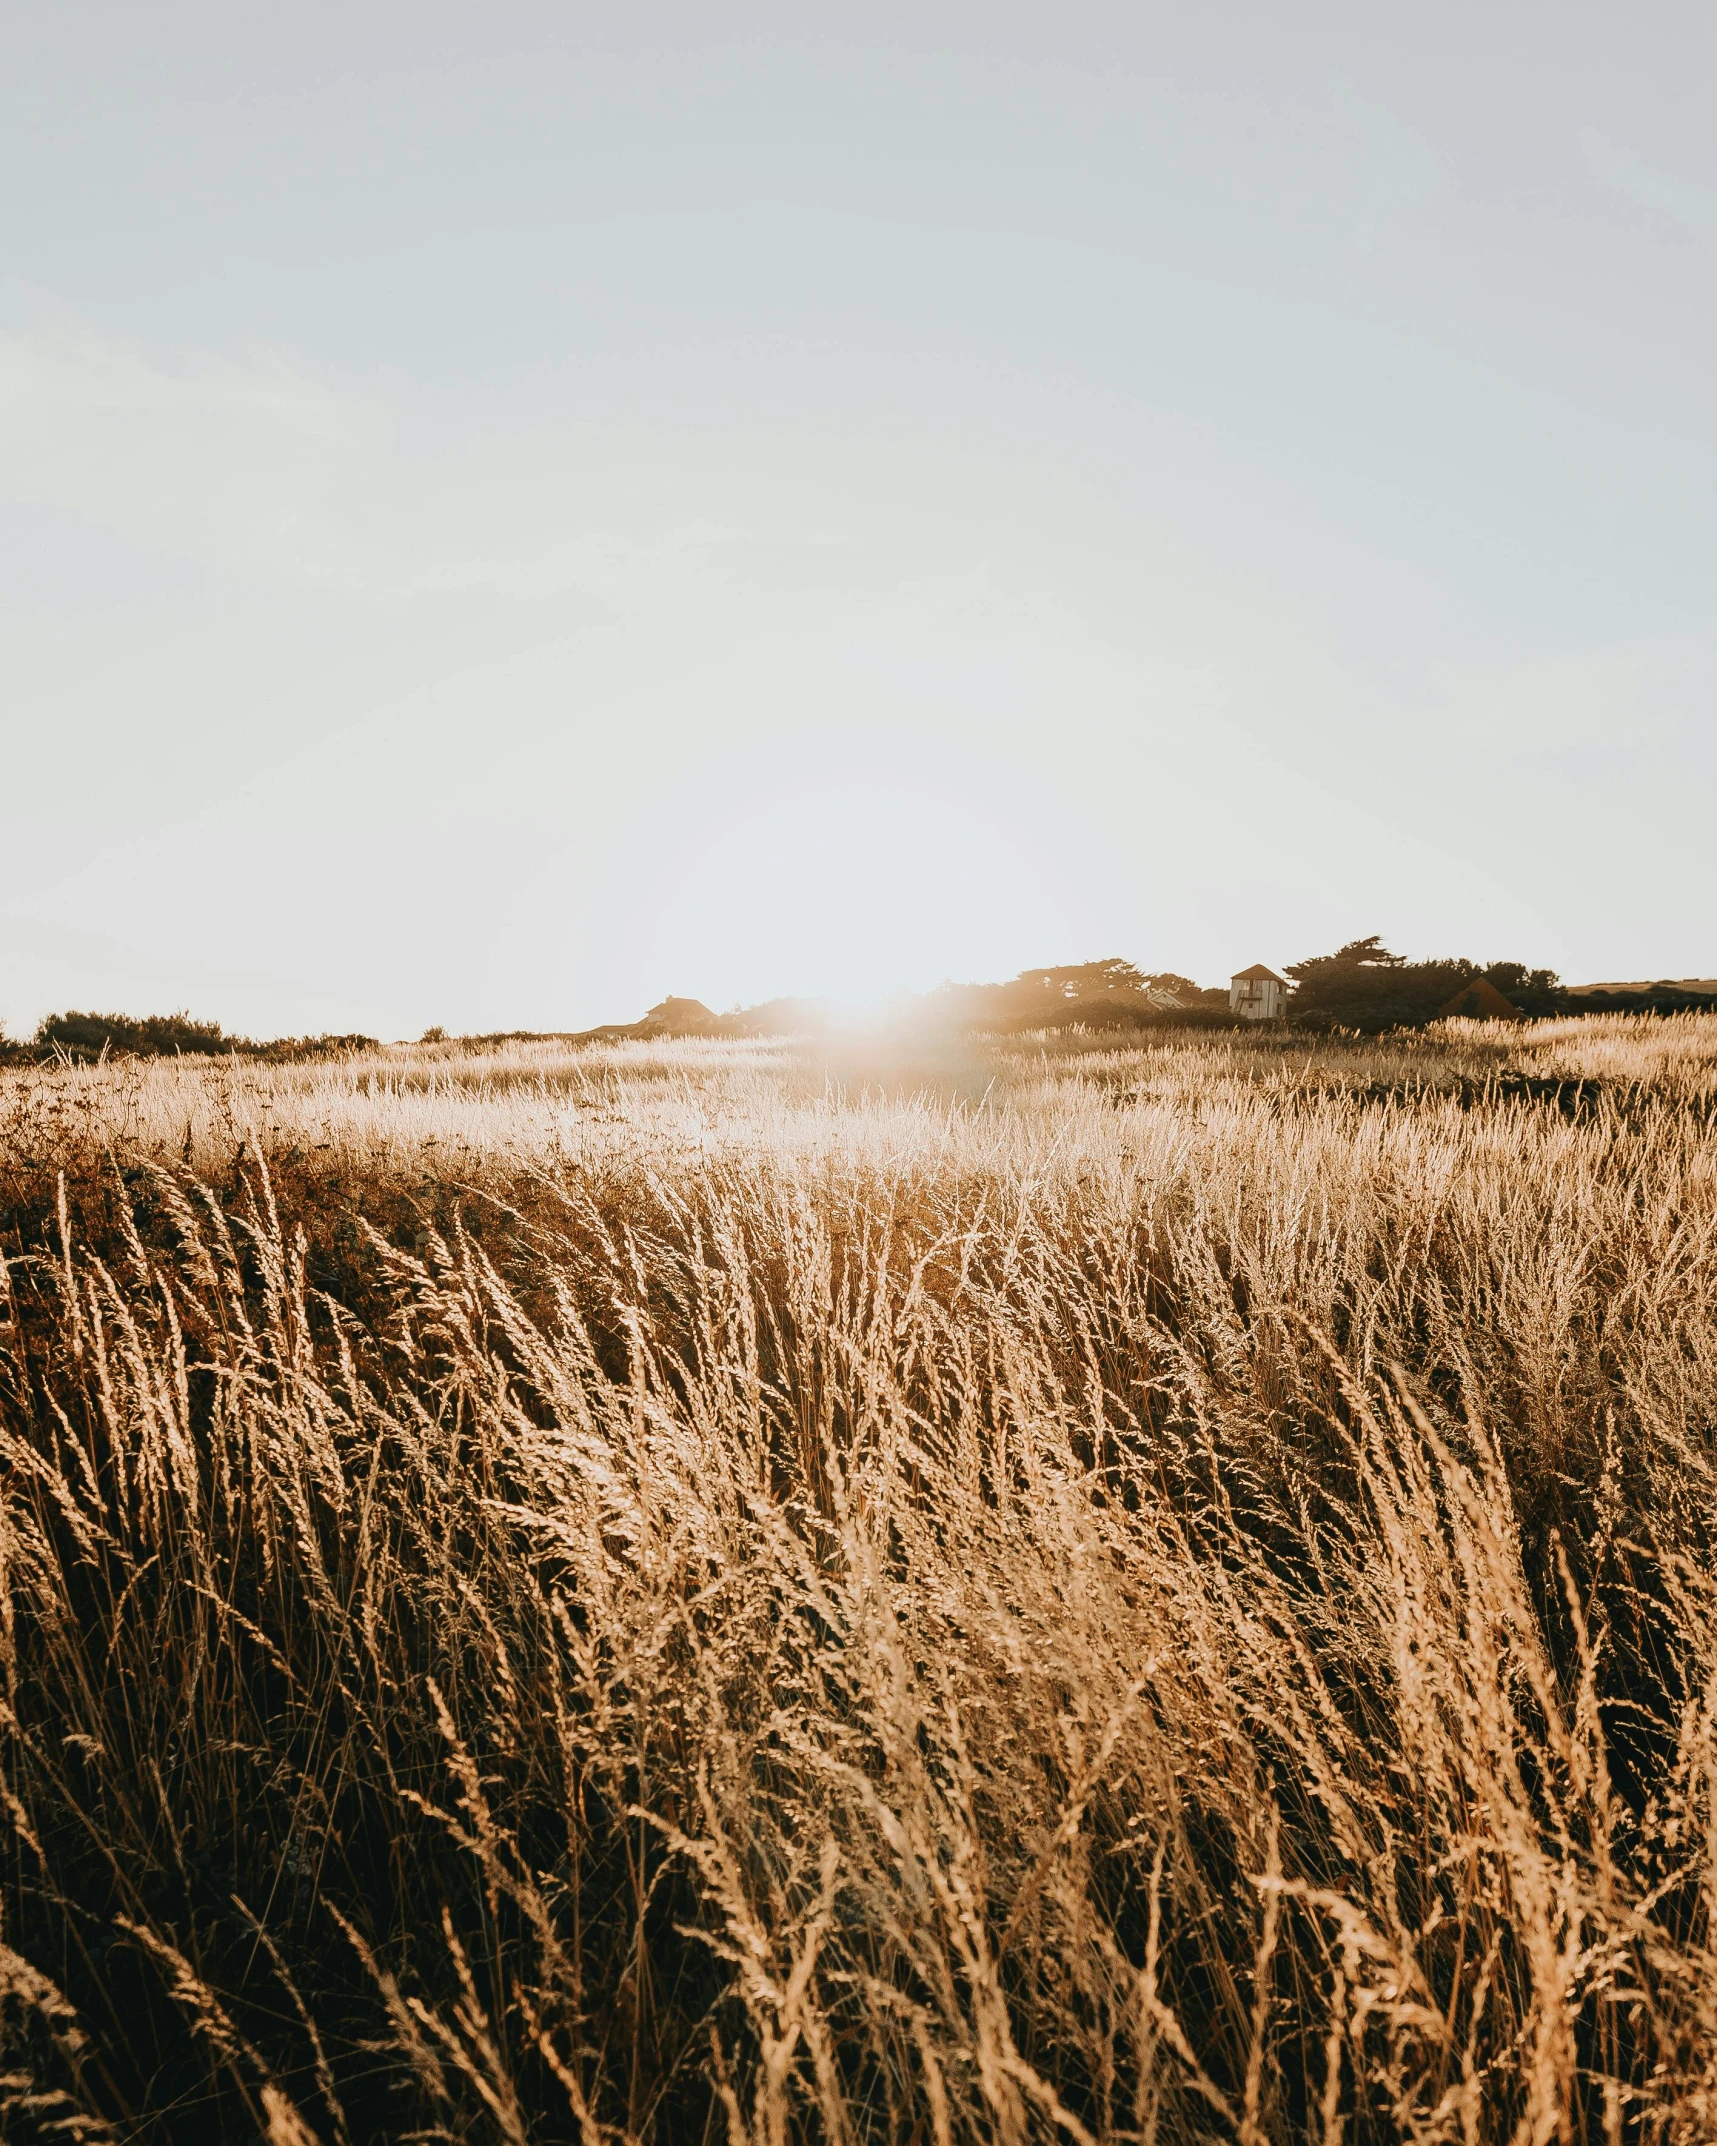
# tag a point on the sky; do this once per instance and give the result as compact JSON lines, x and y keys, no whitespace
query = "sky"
{"x":509,"y":512}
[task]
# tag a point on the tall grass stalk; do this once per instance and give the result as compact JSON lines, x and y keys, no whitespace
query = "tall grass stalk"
{"x":1046,"y":1593}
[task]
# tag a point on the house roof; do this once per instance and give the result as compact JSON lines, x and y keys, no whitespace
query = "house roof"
{"x":1480,"y":1001}
{"x":1257,"y":974}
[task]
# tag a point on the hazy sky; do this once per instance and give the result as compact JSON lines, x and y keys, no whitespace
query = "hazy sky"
{"x":509,"y":510}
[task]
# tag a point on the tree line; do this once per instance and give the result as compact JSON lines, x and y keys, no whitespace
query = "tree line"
{"x":85,"y":1036}
{"x":1363,"y":986}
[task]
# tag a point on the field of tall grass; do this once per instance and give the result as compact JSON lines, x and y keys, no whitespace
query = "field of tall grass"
{"x":695,"y":1591}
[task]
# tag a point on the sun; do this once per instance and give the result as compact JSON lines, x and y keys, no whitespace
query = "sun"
{"x":852,"y":893}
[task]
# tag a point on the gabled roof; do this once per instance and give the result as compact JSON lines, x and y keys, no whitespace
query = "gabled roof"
{"x":1258,"y":974}
{"x":1480,"y":1001}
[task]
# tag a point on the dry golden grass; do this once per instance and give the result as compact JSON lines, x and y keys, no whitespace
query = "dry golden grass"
{"x":1046,"y":1592}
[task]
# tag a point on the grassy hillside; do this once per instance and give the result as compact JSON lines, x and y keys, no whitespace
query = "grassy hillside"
{"x":686,"y":1590}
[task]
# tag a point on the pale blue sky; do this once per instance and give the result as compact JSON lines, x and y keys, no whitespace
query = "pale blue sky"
{"x":508,"y":511}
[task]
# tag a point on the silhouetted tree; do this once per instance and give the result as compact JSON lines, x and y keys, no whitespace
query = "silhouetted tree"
{"x":1363,"y":985}
{"x":1166,"y":984}
{"x":1088,"y":994}
{"x":1086,"y":979}
{"x":1533,"y":991}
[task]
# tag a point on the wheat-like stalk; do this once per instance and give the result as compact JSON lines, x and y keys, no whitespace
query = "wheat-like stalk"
{"x":975,"y":1591}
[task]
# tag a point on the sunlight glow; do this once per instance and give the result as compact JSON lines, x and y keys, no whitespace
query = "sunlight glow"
{"x":850,"y":892}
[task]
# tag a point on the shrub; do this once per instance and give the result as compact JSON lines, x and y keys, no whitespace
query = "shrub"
{"x":87,"y":1035}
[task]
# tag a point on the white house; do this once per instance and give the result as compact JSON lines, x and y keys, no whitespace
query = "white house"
{"x":1257,"y":994}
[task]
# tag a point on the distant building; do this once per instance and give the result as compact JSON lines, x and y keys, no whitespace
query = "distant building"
{"x":1480,"y":1001}
{"x":1257,"y":994}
